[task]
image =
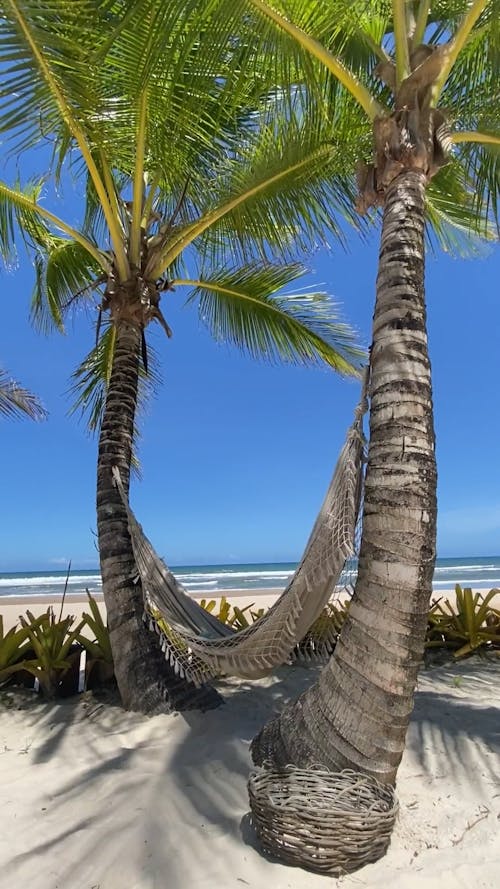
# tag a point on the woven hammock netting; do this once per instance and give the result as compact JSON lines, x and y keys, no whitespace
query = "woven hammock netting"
{"x":201,"y":647}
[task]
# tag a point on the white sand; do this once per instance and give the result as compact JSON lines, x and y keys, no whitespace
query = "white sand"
{"x":94,"y":798}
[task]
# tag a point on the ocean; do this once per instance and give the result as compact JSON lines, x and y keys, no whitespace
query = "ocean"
{"x":480,"y":573}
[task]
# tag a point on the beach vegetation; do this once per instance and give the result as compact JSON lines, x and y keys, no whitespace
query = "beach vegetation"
{"x":231,"y":615}
{"x":423,"y":79}
{"x":54,"y":652}
{"x":471,"y":626}
{"x":474,"y":623}
{"x":202,"y":173}
{"x":99,"y":667}
{"x":327,"y":626}
{"x":14,"y":649}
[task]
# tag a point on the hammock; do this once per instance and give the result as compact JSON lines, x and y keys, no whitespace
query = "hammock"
{"x":198,"y":645}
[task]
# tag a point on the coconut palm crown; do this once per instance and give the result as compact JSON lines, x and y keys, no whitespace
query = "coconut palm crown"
{"x":429,"y":68}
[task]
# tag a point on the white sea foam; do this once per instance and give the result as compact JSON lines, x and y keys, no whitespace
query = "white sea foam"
{"x":452,"y":568}
{"x":202,"y":583}
{"x":217,"y":579}
{"x":49,"y":581}
{"x":226,"y":575}
{"x":465,"y":581}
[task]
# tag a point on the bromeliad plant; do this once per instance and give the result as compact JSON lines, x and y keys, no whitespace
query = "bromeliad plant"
{"x":473,"y":624}
{"x":51,"y":641}
{"x":99,"y":662}
{"x":201,"y":172}
{"x":231,"y":615}
{"x":14,"y":649}
{"x":48,"y":647}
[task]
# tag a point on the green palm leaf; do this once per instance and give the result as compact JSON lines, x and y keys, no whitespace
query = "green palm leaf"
{"x":63,"y":267}
{"x":22,"y":214}
{"x":45,"y":82}
{"x":64,"y":272}
{"x":453,"y":220}
{"x":91,"y":379}
{"x":482,"y":166}
{"x":16,"y":401}
{"x":283,"y":188}
{"x":90,"y":382}
{"x":242,"y":306}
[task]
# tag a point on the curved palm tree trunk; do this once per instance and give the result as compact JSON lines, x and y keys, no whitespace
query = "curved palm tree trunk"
{"x":357,"y":714}
{"x":145,"y":680}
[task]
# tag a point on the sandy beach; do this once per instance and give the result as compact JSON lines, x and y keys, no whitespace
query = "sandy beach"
{"x":96,"y":798}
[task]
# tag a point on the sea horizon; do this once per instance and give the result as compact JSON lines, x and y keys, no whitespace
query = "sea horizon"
{"x":479,"y":572}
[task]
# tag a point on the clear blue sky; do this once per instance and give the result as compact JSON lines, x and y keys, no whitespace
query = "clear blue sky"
{"x":237,"y":455}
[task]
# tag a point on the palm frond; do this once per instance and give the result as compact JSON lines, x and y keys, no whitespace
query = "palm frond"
{"x":22,"y":214}
{"x":471,"y":95}
{"x":16,"y":401}
{"x":47,"y":85}
{"x":453,"y":220}
{"x":241,"y":306}
{"x":64,"y":275}
{"x":94,"y":224}
{"x":91,"y":379}
{"x":481,"y":164}
{"x":314,"y":50}
{"x":42,"y":91}
{"x":286,"y":187}
{"x":193,"y":61}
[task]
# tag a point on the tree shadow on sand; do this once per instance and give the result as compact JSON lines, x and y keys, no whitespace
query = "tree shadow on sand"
{"x":167,"y":797}
{"x":457,"y":704}
{"x":153,"y":795}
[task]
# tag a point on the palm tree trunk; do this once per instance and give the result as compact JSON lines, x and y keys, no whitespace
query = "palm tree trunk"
{"x":145,"y":681}
{"x":357,"y":714}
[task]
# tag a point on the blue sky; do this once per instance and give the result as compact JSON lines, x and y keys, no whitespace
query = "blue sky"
{"x":237,"y":455}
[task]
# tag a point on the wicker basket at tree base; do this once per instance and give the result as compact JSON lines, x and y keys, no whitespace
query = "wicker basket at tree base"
{"x":330,"y":822}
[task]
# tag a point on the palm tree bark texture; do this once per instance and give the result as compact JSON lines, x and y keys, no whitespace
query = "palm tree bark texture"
{"x":145,"y":680}
{"x":358,"y":712}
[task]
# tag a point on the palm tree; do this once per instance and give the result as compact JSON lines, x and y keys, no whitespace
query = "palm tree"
{"x":16,"y":401}
{"x":195,"y":174}
{"x":426,"y":76}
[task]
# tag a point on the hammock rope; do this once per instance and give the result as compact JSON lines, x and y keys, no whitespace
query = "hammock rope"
{"x":198,"y":645}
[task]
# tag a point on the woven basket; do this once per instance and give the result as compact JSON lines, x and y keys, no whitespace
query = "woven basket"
{"x":323,"y":821}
